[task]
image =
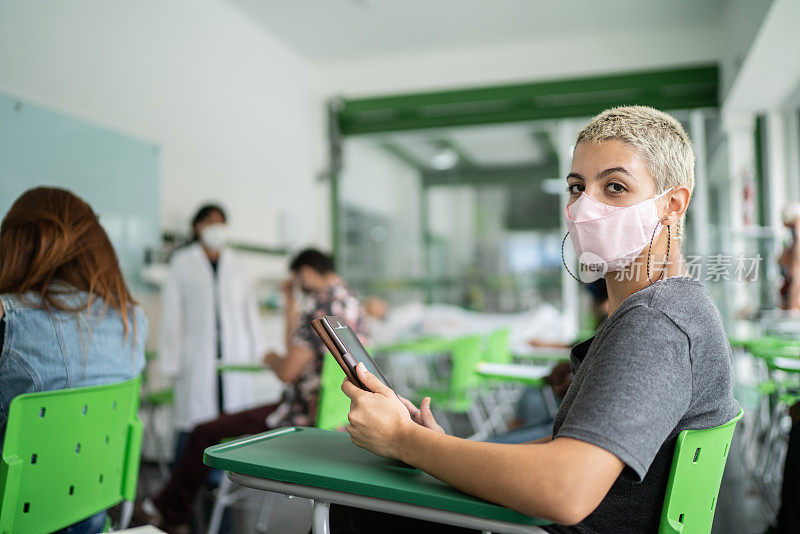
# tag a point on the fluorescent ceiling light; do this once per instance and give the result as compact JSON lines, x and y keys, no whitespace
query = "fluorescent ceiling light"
{"x":444,"y":160}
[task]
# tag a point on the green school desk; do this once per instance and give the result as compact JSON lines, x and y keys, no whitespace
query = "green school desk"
{"x":513,"y":372}
{"x":544,"y":354}
{"x":242,"y":367}
{"x":325,"y":466}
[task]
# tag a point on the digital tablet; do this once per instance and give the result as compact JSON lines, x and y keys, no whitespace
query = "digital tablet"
{"x":344,"y":345}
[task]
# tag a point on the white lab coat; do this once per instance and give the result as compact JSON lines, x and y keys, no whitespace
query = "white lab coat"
{"x":188,"y":350}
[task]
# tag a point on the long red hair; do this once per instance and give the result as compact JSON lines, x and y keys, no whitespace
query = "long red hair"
{"x":51,"y":243}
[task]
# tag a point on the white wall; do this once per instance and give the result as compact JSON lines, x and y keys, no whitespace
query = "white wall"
{"x":622,"y":49}
{"x":740,"y":25}
{"x":238,"y":115}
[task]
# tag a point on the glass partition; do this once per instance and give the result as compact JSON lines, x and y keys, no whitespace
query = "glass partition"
{"x":463,"y":216}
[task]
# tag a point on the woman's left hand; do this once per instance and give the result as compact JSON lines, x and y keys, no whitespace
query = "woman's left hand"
{"x":378,"y":418}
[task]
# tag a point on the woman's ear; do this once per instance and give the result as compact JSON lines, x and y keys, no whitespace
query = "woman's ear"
{"x":677,"y":202}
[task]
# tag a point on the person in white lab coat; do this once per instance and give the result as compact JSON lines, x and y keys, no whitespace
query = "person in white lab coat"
{"x":209,"y":316}
{"x":299,"y":367}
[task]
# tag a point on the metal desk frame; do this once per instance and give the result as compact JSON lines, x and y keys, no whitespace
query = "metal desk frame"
{"x":323,"y":498}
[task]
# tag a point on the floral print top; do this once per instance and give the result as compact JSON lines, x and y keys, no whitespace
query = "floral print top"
{"x":298,"y":406}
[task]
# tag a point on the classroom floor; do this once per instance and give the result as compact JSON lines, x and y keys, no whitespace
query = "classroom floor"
{"x":288,"y":515}
{"x":739,"y":509}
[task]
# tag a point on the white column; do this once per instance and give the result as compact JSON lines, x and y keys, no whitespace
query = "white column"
{"x":570,"y":297}
{"x":699,"y":203}
{"x":739,"y":131}
{"x":776,"y":168}
{"x":791,"y":126}
{"x":776,"y":178}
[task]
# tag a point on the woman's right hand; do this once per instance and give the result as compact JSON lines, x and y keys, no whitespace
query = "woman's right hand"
{"x":422,"y":415}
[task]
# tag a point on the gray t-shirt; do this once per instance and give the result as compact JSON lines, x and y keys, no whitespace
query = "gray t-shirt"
{"x":659,"y":365}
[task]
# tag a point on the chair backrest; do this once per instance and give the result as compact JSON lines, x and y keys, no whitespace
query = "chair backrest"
{"x":498,"y":349}
{"x":695,"y":478}
{"x":333,"y":405}
{"x":69,"y":454}
{"x":465,"y":356}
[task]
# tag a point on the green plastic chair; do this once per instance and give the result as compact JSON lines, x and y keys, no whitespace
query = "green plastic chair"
{"x":459,"y":397}
{"x":333,"y":405}
{"x":497,"y":396}
{"x":695,"y":478}
{"x":498,"y":348}
{"x":69,"y":454}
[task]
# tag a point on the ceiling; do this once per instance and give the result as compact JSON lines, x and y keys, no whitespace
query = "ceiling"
{"x":324,"y":30}
{"x":510,"y":153}
{"x":502,"y":153}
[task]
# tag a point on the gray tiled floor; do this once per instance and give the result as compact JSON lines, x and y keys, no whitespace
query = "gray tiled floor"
{"x":739,"y":509}
{"x":287,"y":516}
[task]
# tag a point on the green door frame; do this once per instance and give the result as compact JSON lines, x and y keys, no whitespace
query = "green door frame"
{"x":683,"y":88}
{"x":669,"y":89}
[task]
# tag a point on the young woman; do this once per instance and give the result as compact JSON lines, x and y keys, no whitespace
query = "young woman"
{"x":67,"y":318}
{"x":659,"y":364}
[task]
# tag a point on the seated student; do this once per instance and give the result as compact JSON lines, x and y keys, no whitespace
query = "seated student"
{"x":659,"y":364}
{"x":326,"y":294}
{"x":67,"y":318}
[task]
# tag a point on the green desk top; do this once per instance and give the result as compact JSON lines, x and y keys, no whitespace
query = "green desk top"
{"x":159,"y":397}
{"x":789,"y":365}
{"x":242,"y":367}
{"x":766,"y":342}
{"x":511,"y":372}
{"x":328,"y":459}
{"x":544,"y":354}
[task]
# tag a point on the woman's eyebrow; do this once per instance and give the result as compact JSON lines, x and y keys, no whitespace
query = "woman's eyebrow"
{"x":612,"y":170}
{"x":574,"y":175}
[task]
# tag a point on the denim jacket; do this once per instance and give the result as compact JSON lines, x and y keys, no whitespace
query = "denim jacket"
{"x":43,"y":351}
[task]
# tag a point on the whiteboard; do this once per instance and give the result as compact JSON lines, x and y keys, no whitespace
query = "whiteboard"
{"x":116,"y":174}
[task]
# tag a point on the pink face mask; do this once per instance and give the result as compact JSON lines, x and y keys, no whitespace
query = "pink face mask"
{"x":610,"y":236}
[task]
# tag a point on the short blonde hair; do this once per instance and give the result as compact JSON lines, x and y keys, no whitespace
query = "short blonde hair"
{"x":657,"y":136}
